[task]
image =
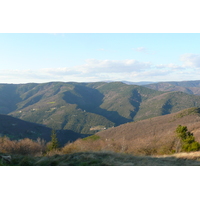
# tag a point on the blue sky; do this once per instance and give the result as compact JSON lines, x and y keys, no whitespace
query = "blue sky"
{"x":85,"y":57}
{"x":86,"y":41}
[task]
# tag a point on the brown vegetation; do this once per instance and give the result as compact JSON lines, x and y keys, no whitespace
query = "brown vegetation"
{"x":22,"y":147}
{"x":155,"y":136}
{"x":121,"y":145}
{"x":102,"y":158}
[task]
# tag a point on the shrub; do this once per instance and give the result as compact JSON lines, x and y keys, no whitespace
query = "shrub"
{"x":187,"y":140}
{"x":24,"y":147}
{"x":27,"y":147}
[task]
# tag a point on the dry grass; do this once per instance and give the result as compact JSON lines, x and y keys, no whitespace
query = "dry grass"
{"x":28,"y":153}
{"x":155,"y":136}
{"x":191,"y":155}
{"x":101,"y":158}
{"x":22,"y":147}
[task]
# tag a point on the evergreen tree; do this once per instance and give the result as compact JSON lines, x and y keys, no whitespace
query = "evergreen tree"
{"x":188,"y":142}
{"x":54,"y":141}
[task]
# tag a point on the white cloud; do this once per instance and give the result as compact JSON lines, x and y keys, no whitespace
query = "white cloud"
{"x":191,"y":60}
{"x":59,"y":71}
{"x":98,"y":70}
{"x":170,"y":66}
{"x":114,"y":66}
{"x":92,"y":70}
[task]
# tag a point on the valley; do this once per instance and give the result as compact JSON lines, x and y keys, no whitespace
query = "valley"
{"x":80,"y":106}
{"x":100,"y":116}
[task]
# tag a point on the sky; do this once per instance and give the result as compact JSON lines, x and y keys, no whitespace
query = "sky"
{"x":91,"y":57}
{"x":89,"y":41}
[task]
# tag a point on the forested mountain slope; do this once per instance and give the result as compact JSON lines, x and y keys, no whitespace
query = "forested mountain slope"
{"x":17,"y":129}
{"x":88,"y":107}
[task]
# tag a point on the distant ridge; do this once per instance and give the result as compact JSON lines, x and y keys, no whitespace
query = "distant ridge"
{"x":132,"y":83}
{"x":189,"y":87}
{"x":138,"y":83}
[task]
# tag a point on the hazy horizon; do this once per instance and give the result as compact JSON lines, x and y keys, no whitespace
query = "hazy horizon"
{"x":107,"y":81}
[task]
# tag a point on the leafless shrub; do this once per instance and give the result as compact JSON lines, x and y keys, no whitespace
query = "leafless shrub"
{"x":7,"y":146}
{"x":70,"y":148}
{"x":24,"y":147}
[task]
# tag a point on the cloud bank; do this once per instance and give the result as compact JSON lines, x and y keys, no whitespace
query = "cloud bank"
{"x":116,"y":70}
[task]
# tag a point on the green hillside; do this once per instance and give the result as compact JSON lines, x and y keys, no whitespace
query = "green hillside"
{"x":89,"y":107}
{"x":17,"y":129}
{"x":166,"y":103}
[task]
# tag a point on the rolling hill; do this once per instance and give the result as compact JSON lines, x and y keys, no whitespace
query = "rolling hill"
{"x":89,"y":107}
{"x":146,"y":137}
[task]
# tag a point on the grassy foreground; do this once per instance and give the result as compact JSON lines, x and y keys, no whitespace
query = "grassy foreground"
{"x":102,"y":159}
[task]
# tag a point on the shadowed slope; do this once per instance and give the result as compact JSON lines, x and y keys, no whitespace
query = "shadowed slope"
{"x":17,"y":129}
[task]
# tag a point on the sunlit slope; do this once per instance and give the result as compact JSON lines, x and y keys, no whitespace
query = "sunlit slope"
{"x":59,"y":106}
{"x":154,"y":136}
{"x":89,"y":107}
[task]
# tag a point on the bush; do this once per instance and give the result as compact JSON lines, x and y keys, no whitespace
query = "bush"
{"x":23,"y":147}
{"x":187,"y":140}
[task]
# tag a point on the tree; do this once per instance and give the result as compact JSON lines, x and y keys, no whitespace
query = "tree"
{"x":187,"y":139}
{"x":54,"y":141}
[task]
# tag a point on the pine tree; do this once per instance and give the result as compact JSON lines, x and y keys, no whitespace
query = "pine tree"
{"x":187,"y":139}
{"x":54,"y":141}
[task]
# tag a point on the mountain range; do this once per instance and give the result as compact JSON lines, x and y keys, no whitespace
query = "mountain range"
{"x":189,"y":87}
{"x":86,"y":108}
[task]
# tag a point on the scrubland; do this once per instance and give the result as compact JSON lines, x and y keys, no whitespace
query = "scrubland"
{"x":35,"y":153}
